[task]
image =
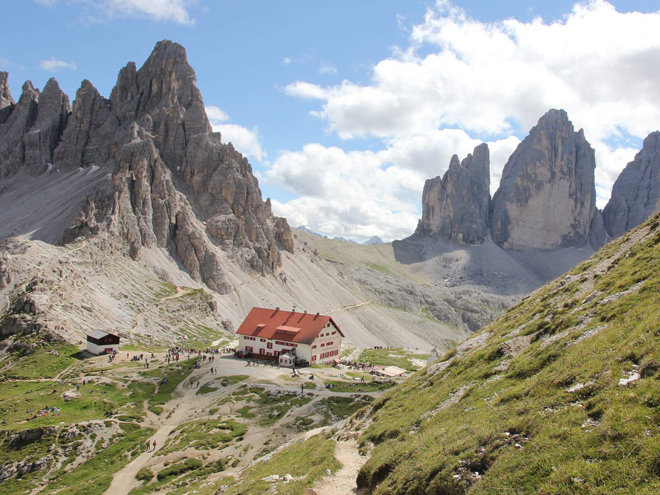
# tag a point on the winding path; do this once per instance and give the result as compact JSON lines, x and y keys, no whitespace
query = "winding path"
{"x":343,"y":481}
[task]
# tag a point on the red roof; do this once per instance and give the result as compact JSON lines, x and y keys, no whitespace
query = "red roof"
{"x":287,"y":326}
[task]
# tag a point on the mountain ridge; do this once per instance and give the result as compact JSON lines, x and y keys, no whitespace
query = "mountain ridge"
{"x":173,"y":184}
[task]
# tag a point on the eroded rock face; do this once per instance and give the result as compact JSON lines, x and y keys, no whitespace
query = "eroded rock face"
{"x":172,"y":183}
{"x":14,"y":129}
{"x":43,"y":137}
{"x":636,"y":192}
{"x":547,"y":196}
{"x":456,"y":206}
{"x":6,"y":101}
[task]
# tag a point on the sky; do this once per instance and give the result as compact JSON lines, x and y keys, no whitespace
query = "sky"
{"x":345,"y":108}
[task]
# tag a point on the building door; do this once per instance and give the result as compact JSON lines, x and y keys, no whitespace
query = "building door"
{"x":262,"y":351}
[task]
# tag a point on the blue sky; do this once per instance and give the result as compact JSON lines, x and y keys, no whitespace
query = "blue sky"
{"x":318,"y":94}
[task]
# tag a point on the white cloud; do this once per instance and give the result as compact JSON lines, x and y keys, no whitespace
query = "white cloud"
{"x":327,"y":69}
{"x":246,"y":141}
{"x":216,"y":115}
{"x":157,"y":10}
{"x":286,"y":61}
{"x":54,"y":65}
{"x":360,"y":194}
{"x":487,"y":80}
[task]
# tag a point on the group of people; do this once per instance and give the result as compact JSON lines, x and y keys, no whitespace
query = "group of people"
{"x":44,"y":412}
{"x":138,"y":357}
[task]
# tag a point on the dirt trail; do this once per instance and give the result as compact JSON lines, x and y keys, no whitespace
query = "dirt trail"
{"x":348,"y":307}
{"x":343,"y":481}
{"x":124,"y":481}
{"x":179,"y":410}
{"x":179,"y":293}
{"x":138,"y":317}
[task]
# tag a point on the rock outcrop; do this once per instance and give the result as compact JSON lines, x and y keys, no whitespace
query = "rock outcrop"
{"x":6,"y":101}
{"x":547,"y":195}
{"x":636,"y":192}
{"x":43,"y":137}
{"x":172,"y":183}
{"x":456,"y":206}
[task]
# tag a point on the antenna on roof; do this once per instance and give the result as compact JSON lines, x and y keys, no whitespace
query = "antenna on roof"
{"x":294,"y":308}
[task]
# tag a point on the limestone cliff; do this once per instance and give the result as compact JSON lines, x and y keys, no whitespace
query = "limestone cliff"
{"x":456,"y":206}
{"x":636,"y":192}
{"x":171,"y":182}
{"x":547,"y":196}
{"x":6,"y":101}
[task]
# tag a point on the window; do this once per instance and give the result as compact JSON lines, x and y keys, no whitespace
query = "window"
{"x":262,"y":340}
{"x":262,"y":351}
{"x":334,"y":333}
{"x":313,"y":358}
{"x":322,"y":345}
{"x":269,"y":345}
{"x":329,"y":343}
{"x":248,"y":348}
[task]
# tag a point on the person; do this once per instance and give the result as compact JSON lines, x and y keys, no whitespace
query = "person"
{"x":154,"y":444}
{"x":148,"y":444}
{"x":302,"y":388}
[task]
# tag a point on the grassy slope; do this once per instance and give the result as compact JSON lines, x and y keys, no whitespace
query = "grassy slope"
{"x":535,"y":405}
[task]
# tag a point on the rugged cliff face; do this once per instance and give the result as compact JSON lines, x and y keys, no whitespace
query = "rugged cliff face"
{"x":456,"y":206}
{"x":6,"y":101}
{"x":636,"y":192}
{"x":547,"y":196}
{"x":171,"y":182}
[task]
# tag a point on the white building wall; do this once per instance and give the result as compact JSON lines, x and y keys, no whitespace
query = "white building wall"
{"x":329,"y":340}
{"x":303,"y":351}
{"x":101,"y":349}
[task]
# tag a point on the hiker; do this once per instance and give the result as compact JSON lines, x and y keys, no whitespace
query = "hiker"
{"x":302,"y":388}
{"x":148,"y":444}
{"x":154,"y":444}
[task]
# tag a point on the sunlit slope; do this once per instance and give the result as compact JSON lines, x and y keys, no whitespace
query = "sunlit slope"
{"x":559,"y":395}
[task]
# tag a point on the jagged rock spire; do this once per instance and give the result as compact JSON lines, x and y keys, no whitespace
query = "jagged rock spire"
{"x":547,"y":195}
{"x":13,"y":130}
{"x":456,"y":206}
{"x":636,"y":192}
{"x":6,"y":101}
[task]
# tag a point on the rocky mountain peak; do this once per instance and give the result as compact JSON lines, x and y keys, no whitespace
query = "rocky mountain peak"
{"x":547,"y":195}
{"x":636,"y":192}
{"x":6,"y":101}
{"x":52,"y":115}
{"x":456,"y":206}
{"x":13,"y":129}
{"x":171,"y":182}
